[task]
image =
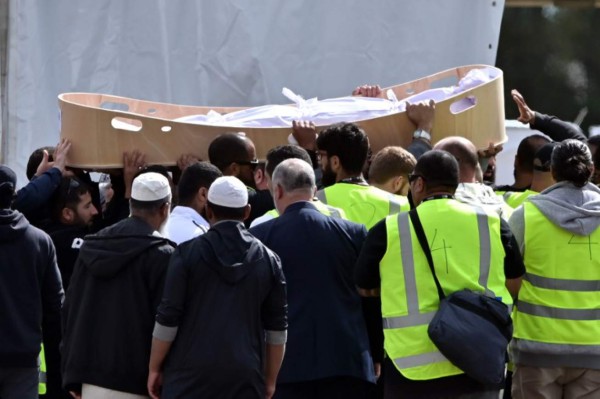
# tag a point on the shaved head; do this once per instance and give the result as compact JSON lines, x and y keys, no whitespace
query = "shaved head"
{"x":465,"y":153}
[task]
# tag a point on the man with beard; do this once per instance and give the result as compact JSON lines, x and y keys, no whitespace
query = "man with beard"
{"x":234,"y":154}
{"x":72,"y":215}
{"x":187,"y":218}
{"x":342,"y":152}
{"x":115,"y":289}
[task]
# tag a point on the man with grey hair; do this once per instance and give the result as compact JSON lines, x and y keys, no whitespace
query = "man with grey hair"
{"x":223,"y":317}
{"x":328,"y":347}
{"x":115,"y":289}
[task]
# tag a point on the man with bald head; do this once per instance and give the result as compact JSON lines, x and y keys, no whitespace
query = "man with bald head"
{"x":327,"y":352}
{"x":470,"y":189}
{"x":235,"y":155}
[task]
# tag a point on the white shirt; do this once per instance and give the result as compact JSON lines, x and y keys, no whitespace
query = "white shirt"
{"x":184,"y":224}
{"x":261,"y":219}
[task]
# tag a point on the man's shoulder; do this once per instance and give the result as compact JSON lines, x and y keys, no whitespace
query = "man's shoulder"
{"x":346,"y":225}
{"x":326,"y":222}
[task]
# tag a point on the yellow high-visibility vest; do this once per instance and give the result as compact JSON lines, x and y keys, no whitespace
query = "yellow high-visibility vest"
{"x":467,"y":253}
{"x":363,"y":204}
{"x":515,"y":198}
{"x":558,"y":312}
{"x":42,"y":372}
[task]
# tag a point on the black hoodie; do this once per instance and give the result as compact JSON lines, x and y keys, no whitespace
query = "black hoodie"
{"x":223,"y":290}
{"x":31,"y":292}
{"x":109,"y":311}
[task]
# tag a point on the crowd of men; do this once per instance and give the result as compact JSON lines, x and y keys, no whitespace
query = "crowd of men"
{"x":301,"y":275}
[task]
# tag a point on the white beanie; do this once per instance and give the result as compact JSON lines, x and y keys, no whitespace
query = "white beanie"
{"x":150,"y":186}
{"x":228,"y":191}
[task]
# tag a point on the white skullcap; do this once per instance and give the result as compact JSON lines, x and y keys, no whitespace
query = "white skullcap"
{"x":150,"y":186}
{"x":228,"y":191}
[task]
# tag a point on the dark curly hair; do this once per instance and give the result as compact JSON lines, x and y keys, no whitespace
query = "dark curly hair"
{"x":572,"y":161}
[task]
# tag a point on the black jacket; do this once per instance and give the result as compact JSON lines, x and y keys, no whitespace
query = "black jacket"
{"x":223,"y":290}
{"x":31,"y":293}
{"x":109,"y":311}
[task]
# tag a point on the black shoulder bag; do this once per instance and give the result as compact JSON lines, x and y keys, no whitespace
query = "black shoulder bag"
{"x":470,"y":329}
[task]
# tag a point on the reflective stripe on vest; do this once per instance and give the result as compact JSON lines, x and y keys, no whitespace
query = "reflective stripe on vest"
{"x":558,"y":311}
{"x":412,"y":324}
{"x":562,"y":284}
{"x":395,"y":205}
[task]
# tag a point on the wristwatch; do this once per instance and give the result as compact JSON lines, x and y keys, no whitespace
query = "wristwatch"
{"x":421,"y":134}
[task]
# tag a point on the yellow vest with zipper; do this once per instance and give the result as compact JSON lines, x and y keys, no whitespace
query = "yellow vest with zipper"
{"x":467,"y":253}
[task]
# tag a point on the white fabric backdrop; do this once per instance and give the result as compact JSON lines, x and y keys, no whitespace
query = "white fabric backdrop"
{"x":226,"y":52}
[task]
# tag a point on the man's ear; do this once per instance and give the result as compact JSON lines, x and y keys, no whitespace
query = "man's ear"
{"x":277,"y":191}
{"x":67,"y":215}
{"x":247,"y":211}
{"x":233,"y":170}
{"x":202,"y":195}
{"x":165,"y":209}
{"x":259,"y":176}
{"x":397,"y":183}
{"x":420,"y":186}
{"x":335,"y":164}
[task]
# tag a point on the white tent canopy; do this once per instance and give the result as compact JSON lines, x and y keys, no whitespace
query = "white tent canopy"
{"x":222,"y":52}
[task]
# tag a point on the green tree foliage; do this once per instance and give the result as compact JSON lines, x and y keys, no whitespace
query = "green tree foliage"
{"x":552,"y":56}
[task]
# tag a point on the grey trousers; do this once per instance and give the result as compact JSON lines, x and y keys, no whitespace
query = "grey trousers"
{"x":19,"y":383}
{"x":96,"y":392}
{"x":555,"y":382}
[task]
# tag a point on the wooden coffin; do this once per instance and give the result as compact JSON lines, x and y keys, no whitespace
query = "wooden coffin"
{"x":100,"y":125}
